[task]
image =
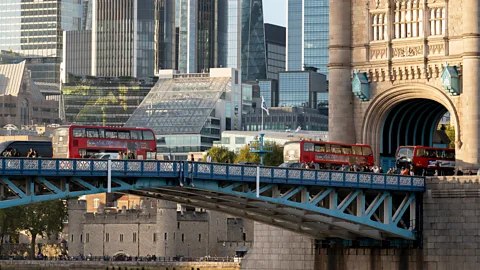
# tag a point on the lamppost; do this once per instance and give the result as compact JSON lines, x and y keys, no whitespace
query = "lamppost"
{"x":258,"y":146}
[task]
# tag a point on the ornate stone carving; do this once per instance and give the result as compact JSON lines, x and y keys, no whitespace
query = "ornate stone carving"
{"x":376,"y":54}
{"x":408,"y":51}
{"x":436,"y":49}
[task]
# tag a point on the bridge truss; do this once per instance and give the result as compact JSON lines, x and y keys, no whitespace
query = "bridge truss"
{"x":321,"y":204}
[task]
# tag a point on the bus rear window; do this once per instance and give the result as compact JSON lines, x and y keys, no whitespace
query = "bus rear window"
{"x":148,"y":135}
{"x":367,"y":151}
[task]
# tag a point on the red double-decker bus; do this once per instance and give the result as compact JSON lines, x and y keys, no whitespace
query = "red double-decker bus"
{"x":103,"y":142}
{"x":328,"y":154}
{"x":426,"y":160}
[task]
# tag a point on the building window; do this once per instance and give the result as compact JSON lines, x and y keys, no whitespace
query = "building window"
{"x":134,"y":237}
{"x":87,"y":237}
{"x":95,"y":203}
{"x":121,"y":237}
{"x":408,"y":19}
{"x":71,"y":238}
{"x":239,"y":140}
{"x":107,"y":237}
{"x":199,"y":237}
{"x":178,"y":225}
{"x":379,"y":26}
{"x":154,"y":237}
{"x":165,"y":236}
{"x":81,"y":238}
{"x":437,"y":21}
{"x":183,"y":238}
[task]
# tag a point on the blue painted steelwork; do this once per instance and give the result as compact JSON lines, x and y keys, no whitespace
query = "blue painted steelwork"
{"x":321,"y":196}
{"x":361,"y":86}
{"x":451,"y":80}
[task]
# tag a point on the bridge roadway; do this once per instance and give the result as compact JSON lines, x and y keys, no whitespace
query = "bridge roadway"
{"x":321,"y":204}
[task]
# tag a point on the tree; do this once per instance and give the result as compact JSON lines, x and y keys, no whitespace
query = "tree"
{"x":450,"y":131}
{"x":220,"y":154}
{"x":43,"y":218}
{"x":273,"y":158}
{"x":10,"y":223}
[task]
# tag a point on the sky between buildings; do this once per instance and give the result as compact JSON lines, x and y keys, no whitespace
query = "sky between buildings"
{"x":275,"y":11}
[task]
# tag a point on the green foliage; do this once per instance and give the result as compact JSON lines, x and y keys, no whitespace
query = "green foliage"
{"x":220,"y":154}
{"x":43,"y":218}
{"x":273,"y":158}
{"x":450,"y":131}
{"x":244,"y":155}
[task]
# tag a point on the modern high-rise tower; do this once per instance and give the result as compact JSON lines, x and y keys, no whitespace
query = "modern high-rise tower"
{"x":165,"y":41}
{"x":123,"y":38}
{"x":33,"y":29}
{"x":307,"y":34}
{"x":253,"y":41}
{"x":202,"y":35}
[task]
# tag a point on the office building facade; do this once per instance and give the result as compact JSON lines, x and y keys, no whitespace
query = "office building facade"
{"x":202,"y":35}
{"x":34,"y":29}
{"x":253,"y":41}
{"x":77,"y":54}
{"x":286,"y":118}
{"x":123,"y":38}
{"x":234,"y":30}
{"x":307,"y":34}
{"x":188,"y":112}
{"x":300,"y":88}
{"x":102,"y":101}
{"x":164,"y":39}
{"x":275,"y":44}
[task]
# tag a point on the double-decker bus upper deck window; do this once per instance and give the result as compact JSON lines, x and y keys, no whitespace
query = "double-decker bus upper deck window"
{"x":148,"y":135}
{"x":124,"y":134}
{"x":92,"y":133}
{"x":327,"y":148}
{"x":136,"y":134}
{"x":450,"y":154}
{"x":336,"y":149}
{"x":347,"y":150}
{"x":101,"y":133}
{"x":78,"y":133}
{"x":320,"y":148}
{"x":405,"y":153}
{"x":366,"y":151}
{"x":430,"y":153}
{"x":110,"y":134}
{"x":357,"y":150}
{"x":308,"y":147}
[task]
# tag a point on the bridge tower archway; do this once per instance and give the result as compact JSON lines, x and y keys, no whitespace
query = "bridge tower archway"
{"x":406,"y":114}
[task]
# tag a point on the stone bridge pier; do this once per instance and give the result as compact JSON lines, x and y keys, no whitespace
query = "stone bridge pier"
{"x":451,"y":238}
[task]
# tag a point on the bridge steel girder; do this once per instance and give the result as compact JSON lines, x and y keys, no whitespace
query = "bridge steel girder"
{"x":319,"y":209}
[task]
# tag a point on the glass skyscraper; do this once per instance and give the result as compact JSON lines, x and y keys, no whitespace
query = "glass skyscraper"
{"x":307,"y":38}
{"x":202,"y":35}
{"x":307,"y":34}
{"x":275,"y":45}
{"x":253,"y":41}
{"x":34,"y":30}
{"x":123,"y":38}
{"x":234,"y":30}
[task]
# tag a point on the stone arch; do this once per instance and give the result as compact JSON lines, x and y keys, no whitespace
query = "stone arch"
{"x":384,"y":102}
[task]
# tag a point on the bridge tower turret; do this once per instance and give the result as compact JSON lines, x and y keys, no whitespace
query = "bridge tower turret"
{"x":340,"y":124}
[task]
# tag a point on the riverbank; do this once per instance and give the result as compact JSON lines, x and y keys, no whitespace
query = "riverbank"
{"x":101,"y":265}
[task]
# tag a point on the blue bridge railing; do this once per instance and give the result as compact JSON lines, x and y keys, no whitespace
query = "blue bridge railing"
{"x":207,"y":171}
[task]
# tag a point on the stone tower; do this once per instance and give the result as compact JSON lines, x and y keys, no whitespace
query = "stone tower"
{"x":166,"y":227}
{"x":396,"y":67}
{"x":76,"y":219}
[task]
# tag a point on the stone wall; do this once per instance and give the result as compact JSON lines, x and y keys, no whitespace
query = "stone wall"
{"x":451,"y":238}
